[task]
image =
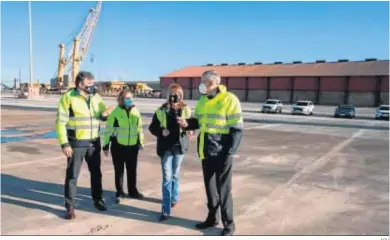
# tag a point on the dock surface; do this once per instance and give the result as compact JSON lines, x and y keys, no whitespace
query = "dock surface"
{"x":292,"y":176}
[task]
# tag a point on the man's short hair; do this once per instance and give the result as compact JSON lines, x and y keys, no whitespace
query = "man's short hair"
{"x":211,"y":75}
{"x":83,"y":75}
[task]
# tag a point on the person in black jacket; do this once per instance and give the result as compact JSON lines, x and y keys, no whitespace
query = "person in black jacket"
{"x":172,"y":143}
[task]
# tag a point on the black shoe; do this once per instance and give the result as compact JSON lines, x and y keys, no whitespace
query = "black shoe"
{"x":228,"y":231}
{"x":136,"y":195}
{"x":99,"y":205}
{"x":120,"y":195}
{"x":206,"y":224}
{"x":163,"y":217}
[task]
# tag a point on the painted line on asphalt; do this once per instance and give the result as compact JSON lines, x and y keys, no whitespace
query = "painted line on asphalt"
{"x":53,"y":194}
{"x":262,"y":126}
{"x":7,"y":198}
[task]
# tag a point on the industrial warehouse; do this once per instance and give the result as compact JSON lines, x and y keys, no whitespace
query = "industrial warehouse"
{"x":360,"y":83}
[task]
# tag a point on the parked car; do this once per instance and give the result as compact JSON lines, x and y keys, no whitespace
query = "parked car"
{"x":382,"y":112}
{"x":303,"y":107}
{"x":272,"y":105}
{"x":345,"y":111}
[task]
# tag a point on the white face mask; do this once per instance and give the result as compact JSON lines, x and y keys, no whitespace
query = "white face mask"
{"x":202,"y":88}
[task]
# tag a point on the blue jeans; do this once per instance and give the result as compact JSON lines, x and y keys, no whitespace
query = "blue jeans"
{"x":170,"y":164}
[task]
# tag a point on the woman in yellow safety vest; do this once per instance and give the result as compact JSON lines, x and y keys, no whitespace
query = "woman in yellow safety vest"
{"x":124,"y":132}
{"x":172,"y":143}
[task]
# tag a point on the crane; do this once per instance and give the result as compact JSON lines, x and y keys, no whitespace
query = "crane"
{"x":80,"y":47}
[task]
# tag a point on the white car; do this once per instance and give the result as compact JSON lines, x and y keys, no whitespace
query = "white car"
{"x":303,"y":107}
{"x":272,"y":105}
{"x":382,"y":112}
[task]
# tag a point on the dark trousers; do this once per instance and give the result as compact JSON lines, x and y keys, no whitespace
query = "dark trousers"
{"x":121,"y":156}
{"x":93,"y":159}
{"x":217,"y":174}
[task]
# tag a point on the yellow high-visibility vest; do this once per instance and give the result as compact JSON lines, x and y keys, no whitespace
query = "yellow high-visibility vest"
{"x":78,"y":118}
{"x":129,"y":127}
{"x":217,"y":115}
{"x":162,"y":116}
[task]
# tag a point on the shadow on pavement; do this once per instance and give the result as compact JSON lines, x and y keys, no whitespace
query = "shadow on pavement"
{"x":52,"y":194}
{"x":151,"y":200}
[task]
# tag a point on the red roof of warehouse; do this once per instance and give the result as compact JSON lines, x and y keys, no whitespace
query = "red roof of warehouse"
{"x":358,"y":68}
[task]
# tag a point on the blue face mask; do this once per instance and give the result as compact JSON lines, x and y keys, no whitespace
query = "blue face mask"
{"x":128,"y":102}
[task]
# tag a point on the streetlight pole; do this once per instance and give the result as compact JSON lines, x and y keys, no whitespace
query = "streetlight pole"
{"x":30,"y":37}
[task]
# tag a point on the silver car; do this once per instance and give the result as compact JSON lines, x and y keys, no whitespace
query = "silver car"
{"x":382,"y":112}
{"x":303,"y":107}
{"x":272,"y":105}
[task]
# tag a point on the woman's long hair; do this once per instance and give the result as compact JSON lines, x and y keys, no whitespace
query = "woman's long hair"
{"x":176,"y":89}
{"x":121,"y":96}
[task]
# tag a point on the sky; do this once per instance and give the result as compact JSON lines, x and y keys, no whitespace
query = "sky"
{"x":141,"y":41}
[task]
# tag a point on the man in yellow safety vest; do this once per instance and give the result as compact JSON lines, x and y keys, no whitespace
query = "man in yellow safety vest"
{"x":218,"y":116}
{"x":78,"y":130}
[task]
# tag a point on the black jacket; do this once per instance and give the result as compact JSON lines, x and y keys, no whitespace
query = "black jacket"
{"x":167,"y":143}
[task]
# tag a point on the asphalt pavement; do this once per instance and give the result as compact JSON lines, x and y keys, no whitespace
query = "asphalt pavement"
{"x":289,"y":178}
